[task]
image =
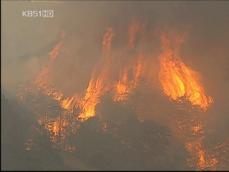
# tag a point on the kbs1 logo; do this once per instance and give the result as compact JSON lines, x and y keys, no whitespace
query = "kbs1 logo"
{"x":38,"y":13}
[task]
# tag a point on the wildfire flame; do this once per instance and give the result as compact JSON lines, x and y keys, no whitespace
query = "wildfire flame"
{"x":98,"y":84}
{"x":107,"y":40}
{"x":178,"y":80}
{"x":53,"y":126}
{"x":55,"y":51}
{"x":133,"y":31}
{"x":91,"y":99}
{"x":129,"y":79}
{"x":42,"y":80}
{"x":70,"y":102}
{"x":202,"y":159}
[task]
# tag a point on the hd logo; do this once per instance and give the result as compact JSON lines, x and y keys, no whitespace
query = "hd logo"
{"x":38,"y":13}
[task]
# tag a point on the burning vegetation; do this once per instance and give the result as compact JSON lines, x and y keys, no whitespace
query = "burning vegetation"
{"x":87,"y":112}
{"x":178,"y":80}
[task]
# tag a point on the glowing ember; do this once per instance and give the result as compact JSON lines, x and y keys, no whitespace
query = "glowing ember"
{"x":202,"y":159}
{"x":56,"y":127}
{"x":197,"y":129}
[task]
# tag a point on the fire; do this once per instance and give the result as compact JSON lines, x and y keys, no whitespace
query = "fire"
{"x":203,"y":160}
{"x":198,"y":128}
{"x":70,"y":102}
{"x":55,"y":51}
{"x":52,"y":126}
{"x":56,"y":127}
{"x":107,"y":40}
{"x":130,"y":75}
{"x":98,"y":84}
{"x":129,"y":79}
{"x":178,"y":80}
{"x":122,"y":88}
{"x":43,"y":81}
{"x":92,"y":98}
{"x":192,"y":131}
{"x":133,"y":30}
{"x":43,"y":84}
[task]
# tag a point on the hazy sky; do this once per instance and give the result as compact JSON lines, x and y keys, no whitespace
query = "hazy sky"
{"x":27,"y":41}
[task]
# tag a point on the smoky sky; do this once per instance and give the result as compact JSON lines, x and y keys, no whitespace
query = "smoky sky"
{"x":26,"y":42}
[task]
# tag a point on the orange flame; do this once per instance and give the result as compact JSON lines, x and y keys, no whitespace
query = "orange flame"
{"x":69,"y":102}
{"x":52,"y":126}
{"x":133,"y":30}
{"x":107,"y":40}
{"x":98,"y":84}
{"x":95,"y":87}
{"x":42,"y":80}
{"x":203,"y":160}
{"x":178,"y":80}
{"x":122,"y":88}
{"x":92,"y":98}
{"x":129,"y":79}
{"x":57,"y":129}
{"x":43,"y":83}
{"x":55,"y":51}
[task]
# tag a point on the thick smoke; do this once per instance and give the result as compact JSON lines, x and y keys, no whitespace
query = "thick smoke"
{"x":26,"y":43}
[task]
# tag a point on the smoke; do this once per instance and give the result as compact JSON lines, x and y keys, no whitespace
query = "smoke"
{"x":85,"y":22}
{"x":26,"y":43}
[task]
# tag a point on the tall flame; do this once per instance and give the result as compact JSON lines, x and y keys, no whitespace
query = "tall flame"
{"x":129,"y":79}
{"x":55,"y":51}
{"x":107,"y":40}
{"x":98,"y":84}
{"x":202,"y":159}
{"x":42,"y":80}
{"x":91,"y":99}
{"x":70,"y":102}
{"x":178,"y":80}
{"x":133,"y":31}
